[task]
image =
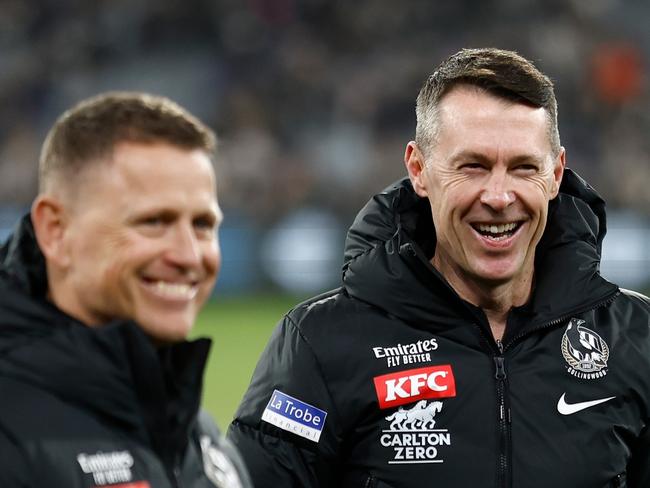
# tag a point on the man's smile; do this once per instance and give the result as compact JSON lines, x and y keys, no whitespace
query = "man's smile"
{"x":499,"y":231}
{"x":172,"y":290}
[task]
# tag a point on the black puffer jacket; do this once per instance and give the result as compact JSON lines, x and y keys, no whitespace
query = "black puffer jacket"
{"x":91,"y":407}
{"x":410,"y":389}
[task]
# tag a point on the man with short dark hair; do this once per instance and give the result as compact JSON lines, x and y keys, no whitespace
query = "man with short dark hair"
{"x":99,"y":288}
{"x":473,"y":341}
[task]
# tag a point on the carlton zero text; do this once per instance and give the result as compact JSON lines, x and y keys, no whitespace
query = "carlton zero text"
{"x":418,"y":446}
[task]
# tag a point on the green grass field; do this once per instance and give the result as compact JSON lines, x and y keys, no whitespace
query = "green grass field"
{"x":239,"y":328}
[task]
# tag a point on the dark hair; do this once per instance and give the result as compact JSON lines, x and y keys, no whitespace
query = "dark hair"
{"x":90,"y":130}
{"x":505,"y":74}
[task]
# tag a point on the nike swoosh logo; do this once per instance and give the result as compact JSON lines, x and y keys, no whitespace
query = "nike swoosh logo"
{"x":568,"y":408}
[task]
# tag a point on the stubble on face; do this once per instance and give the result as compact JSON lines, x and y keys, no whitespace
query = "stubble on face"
{"x":490,"y":169}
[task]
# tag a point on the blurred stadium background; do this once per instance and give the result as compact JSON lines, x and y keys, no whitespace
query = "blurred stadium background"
{"x":313,"y":101}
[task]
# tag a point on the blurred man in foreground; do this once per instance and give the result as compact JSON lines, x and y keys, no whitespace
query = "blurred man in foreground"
{"x":473,"y":342}
{"x":99,"y":288}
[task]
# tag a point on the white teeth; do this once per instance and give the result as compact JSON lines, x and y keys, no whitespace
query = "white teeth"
{"x":175,"y":290}
{"x":497,"y":229}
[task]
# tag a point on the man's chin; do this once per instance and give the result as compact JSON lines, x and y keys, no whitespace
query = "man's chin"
{"x":495,"y":274}
{"x":167,"y":330}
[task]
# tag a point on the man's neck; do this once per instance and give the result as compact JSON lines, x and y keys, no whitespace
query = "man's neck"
{"x":496,"y":300}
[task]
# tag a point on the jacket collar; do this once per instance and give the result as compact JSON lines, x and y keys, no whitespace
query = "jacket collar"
{"x":113,"y":371}
{"x":21,"y":260}
{"x":388,"y":247}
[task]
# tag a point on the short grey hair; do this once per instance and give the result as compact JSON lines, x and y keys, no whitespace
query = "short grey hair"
{"x":91,"y":129}
{"x":502,"y":73}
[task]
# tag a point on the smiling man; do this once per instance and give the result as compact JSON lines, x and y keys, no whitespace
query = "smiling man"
{"x":100,"y":286}
{"x":489,"y":176}
{"x":473,"y":341}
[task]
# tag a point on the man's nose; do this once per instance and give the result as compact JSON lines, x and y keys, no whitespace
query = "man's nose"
{"x":184,"y":249}
{"x":497,"y":194}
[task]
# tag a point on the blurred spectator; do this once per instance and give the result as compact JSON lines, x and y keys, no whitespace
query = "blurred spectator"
{"x":311,"y":98}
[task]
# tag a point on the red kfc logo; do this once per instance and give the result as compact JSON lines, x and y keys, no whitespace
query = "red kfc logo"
{"x":415,"y":384}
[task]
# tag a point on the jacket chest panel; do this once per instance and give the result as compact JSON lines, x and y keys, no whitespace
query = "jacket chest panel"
{"x":576,"y":405}
{"x":425,"y":411}
{"x":441,"y":412}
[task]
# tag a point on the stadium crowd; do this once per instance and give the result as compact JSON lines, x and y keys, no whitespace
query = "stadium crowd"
{"x":313,"y":99}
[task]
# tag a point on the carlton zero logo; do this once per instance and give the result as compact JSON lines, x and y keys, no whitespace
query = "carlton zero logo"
{"x":585,"y":351}
{"x":413,"y":437}
{"x":408,"y":386}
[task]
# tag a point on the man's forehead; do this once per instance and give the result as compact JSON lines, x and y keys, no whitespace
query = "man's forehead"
{"x":478,"y":121}
{"x":472,"y":100}
{"x":136,"y":174}
{"x":147,"y":161}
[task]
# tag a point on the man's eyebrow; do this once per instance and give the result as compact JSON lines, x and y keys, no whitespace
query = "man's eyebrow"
{"x":213,"y":216}
{"x":157,"y":211}
{"x":527,"y":158}
{"x":465,"y":155}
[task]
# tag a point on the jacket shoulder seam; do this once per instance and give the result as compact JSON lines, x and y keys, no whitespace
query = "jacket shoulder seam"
{"x":319,"y":366}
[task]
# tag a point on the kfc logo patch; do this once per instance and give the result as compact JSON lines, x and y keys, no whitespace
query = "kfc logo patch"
{"x":415,"y":384}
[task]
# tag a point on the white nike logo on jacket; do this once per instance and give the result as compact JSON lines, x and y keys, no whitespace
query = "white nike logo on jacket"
{"x":569,"y":408}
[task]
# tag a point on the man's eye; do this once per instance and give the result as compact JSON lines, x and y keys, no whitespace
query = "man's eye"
{"x":472,"y":166}
{"x":526,"y":168}
{"x":205,"y":224}
{"x":152,"y":221}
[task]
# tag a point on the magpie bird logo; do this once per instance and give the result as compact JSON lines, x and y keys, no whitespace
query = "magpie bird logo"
{"x":584,"y":350}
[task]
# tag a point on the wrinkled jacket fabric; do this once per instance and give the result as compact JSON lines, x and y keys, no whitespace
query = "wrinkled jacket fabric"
{"x":85,"y":407}
{"x":415,"y":390}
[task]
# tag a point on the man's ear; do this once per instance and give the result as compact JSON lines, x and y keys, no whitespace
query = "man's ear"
{"x":558,"y":172}
{"x":414,"y":161}
{"x":49,"y":219}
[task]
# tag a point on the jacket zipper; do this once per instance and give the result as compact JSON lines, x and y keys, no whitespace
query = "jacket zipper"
{"x":561,"y":319}
{"x":503,"y":419}
{"x":176,"y":478}
{"x":174,"y":473}
{"x":504,"y":413}
{"x":618,"y":482}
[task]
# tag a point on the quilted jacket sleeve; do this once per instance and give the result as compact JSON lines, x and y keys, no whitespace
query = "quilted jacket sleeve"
{"x":282,"y":444}
{"x":14,"y":471}
{"x":638,"y":472}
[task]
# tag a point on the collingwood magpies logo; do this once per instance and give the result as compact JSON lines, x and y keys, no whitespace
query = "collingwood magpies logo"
{"x":585,"y":351}
{"x":217,"y":467}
